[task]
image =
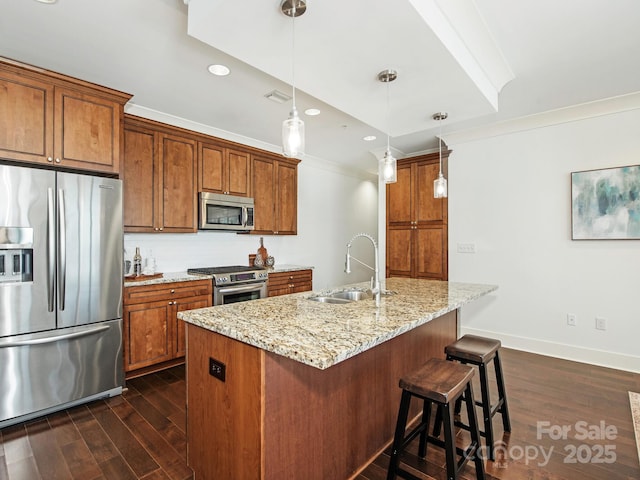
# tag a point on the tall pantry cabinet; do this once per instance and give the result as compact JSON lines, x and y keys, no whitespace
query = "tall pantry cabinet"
{"x":417,"y":223}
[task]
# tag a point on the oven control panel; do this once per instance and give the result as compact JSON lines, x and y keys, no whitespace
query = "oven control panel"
{"x":243,"y":277}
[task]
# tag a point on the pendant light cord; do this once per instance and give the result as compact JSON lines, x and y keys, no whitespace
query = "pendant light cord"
{"x":388,"y":116}
{"x":293,"y":53}
{"x":440,"y":144}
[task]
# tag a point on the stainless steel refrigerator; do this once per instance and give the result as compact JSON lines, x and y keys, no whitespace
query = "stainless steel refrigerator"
{"x":61,"y":249}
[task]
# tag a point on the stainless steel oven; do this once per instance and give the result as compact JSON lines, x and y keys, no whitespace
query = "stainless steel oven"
{"x":236,"y":283}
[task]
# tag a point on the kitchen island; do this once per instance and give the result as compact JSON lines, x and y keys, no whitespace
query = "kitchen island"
{"x":287,"y":387}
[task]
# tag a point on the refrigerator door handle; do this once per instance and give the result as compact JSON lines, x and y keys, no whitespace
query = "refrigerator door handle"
{"x":51,"y":252}
{"x":55,"y":338}
{"x":62,"y":249}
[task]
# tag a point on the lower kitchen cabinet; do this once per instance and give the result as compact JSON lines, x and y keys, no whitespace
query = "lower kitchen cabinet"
{"x":283,"y":283}
{"x":154,"y":338}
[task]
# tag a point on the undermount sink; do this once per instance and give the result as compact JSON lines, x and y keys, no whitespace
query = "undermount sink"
{"x":347,"y":296}
{"x":329,"y":299}
{"x":352,"y":295}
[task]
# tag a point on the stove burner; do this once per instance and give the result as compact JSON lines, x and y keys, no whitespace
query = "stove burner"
{"x":218,"y":270}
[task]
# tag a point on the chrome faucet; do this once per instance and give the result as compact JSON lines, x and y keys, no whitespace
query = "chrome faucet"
{"x":375,"y":280}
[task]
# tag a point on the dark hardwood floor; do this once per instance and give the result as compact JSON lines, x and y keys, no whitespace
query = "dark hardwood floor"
{"x":141,"y":435}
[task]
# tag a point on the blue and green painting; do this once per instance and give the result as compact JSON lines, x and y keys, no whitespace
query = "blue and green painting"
{"x":606,"y":203}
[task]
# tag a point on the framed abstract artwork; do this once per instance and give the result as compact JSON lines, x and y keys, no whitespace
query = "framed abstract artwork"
{"x":605,"y":204}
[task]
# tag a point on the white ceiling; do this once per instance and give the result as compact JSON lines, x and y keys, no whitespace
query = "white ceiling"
{"x":482,"y":61}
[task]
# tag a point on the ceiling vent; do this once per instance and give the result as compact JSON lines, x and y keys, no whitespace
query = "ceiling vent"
{"x":277,"y":96}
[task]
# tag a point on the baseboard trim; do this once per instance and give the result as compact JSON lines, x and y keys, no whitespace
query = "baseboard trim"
{"x":601,"y":358}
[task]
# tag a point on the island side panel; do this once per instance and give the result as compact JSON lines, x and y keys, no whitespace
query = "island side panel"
{"x":224,"y":419}
{"x":331,"y":423}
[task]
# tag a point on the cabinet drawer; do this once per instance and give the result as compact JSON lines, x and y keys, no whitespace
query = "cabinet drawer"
{"x":285,"y":278}
{"x":166,"y":291}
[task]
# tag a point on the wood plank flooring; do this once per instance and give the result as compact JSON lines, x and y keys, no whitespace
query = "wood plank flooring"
{"x":141,"y":435}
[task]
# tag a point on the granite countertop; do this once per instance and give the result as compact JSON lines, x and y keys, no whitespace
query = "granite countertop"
{"x":322,"y":334}
{"x":185,"y":277}
{"x":167,"y":278}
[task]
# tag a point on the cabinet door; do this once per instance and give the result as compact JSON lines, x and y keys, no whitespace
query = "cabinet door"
{"x":427,"y":208}
{"x":212,"y":168}
{"x":26,"y":118}
{"x":239,"y":168}
{"x":148,"y":334}
{"x":181,"y":305}
{"x":400,"y":198}
{"x":400,"y":251}
{"x":286,"y":185}
{"x":262,"y":175}
{"x":139,"y":171}
{"x":431,"y":252}
{"x":178,"y":184}
{"x":87,"y":131}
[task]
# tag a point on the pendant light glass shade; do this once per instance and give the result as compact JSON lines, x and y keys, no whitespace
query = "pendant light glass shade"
{"x":440,"y":187}
{"x":293,"y":127}
{"x":440,"y":184}
{"x":293,"y":135}
{"x":389,"y":168}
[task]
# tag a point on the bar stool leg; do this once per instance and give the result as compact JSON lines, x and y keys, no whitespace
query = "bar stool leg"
{"x":486,"y":410}
{"x":401,"y":425}
{"x":473,"y":430}
{"x":504,"y":408}
{"x":426,"y":417}
{"x":449,"y":441}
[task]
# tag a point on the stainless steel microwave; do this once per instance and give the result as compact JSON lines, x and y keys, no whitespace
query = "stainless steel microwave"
{"x":225,"y":212}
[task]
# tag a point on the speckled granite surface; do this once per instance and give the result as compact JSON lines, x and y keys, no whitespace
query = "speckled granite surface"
{"x":185,"y":277}
{"x":322,"y":334}
{"x":167,"y":278}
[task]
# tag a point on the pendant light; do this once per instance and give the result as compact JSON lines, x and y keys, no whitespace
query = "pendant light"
{"x":389,"y":165}
{"x":293,"y":127}
{"x":440,"y":183}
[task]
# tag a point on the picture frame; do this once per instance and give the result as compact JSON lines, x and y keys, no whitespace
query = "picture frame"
{"x":605,"y":204}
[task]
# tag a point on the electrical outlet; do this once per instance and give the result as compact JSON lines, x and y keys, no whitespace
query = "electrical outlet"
{"x":601,"y":323}
{"x":217,"y":369}
{"x":571,"y":320}
{"x":466,"y":248}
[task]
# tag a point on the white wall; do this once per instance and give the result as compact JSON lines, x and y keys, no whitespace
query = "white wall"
{"x":510,"y":195}
{"x":332,"y":207}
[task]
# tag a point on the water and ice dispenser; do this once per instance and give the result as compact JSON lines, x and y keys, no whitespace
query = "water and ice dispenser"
{"x":16,"y":254}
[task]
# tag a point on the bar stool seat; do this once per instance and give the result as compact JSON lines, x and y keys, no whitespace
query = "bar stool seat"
{"x":441,"y":383}
{"x":479,"y":351}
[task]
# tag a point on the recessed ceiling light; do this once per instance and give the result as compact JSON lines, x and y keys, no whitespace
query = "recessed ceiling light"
{"x":47,"y":1}
{"x":312,"y":112}
{"x":219,"y":70}
{"x":369,"y":138}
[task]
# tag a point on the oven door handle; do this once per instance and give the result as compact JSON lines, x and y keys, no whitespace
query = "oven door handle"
{"x":240,"y":288}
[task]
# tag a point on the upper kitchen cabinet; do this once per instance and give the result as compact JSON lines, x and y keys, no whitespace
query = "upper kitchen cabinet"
{"x":223,"y":170}
{"x":417,"y":223}
{"x":159,"y":178}
{"x":274,"y":184}
{"x":57,"y":120}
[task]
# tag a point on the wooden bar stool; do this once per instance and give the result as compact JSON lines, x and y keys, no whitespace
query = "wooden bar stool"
{"x":441,"y":383}
{"x":479,"y":351}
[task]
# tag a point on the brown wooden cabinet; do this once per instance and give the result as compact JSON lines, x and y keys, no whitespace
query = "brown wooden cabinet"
{"x":57,"y":120}
{"x":159,"y":178}
{"x":223,"y":170}
{"x":283,"y":283}
{"x":274,"y":185}
{"x":417,"y":223}
{"x":154,"y":338}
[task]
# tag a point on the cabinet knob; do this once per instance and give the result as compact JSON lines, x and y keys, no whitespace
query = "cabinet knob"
{"x":50,"y":159}
{"x":161,"y":228}
{"x":171,"y":303}
{"x":173,"y":291}
{"x":57,"y":160}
